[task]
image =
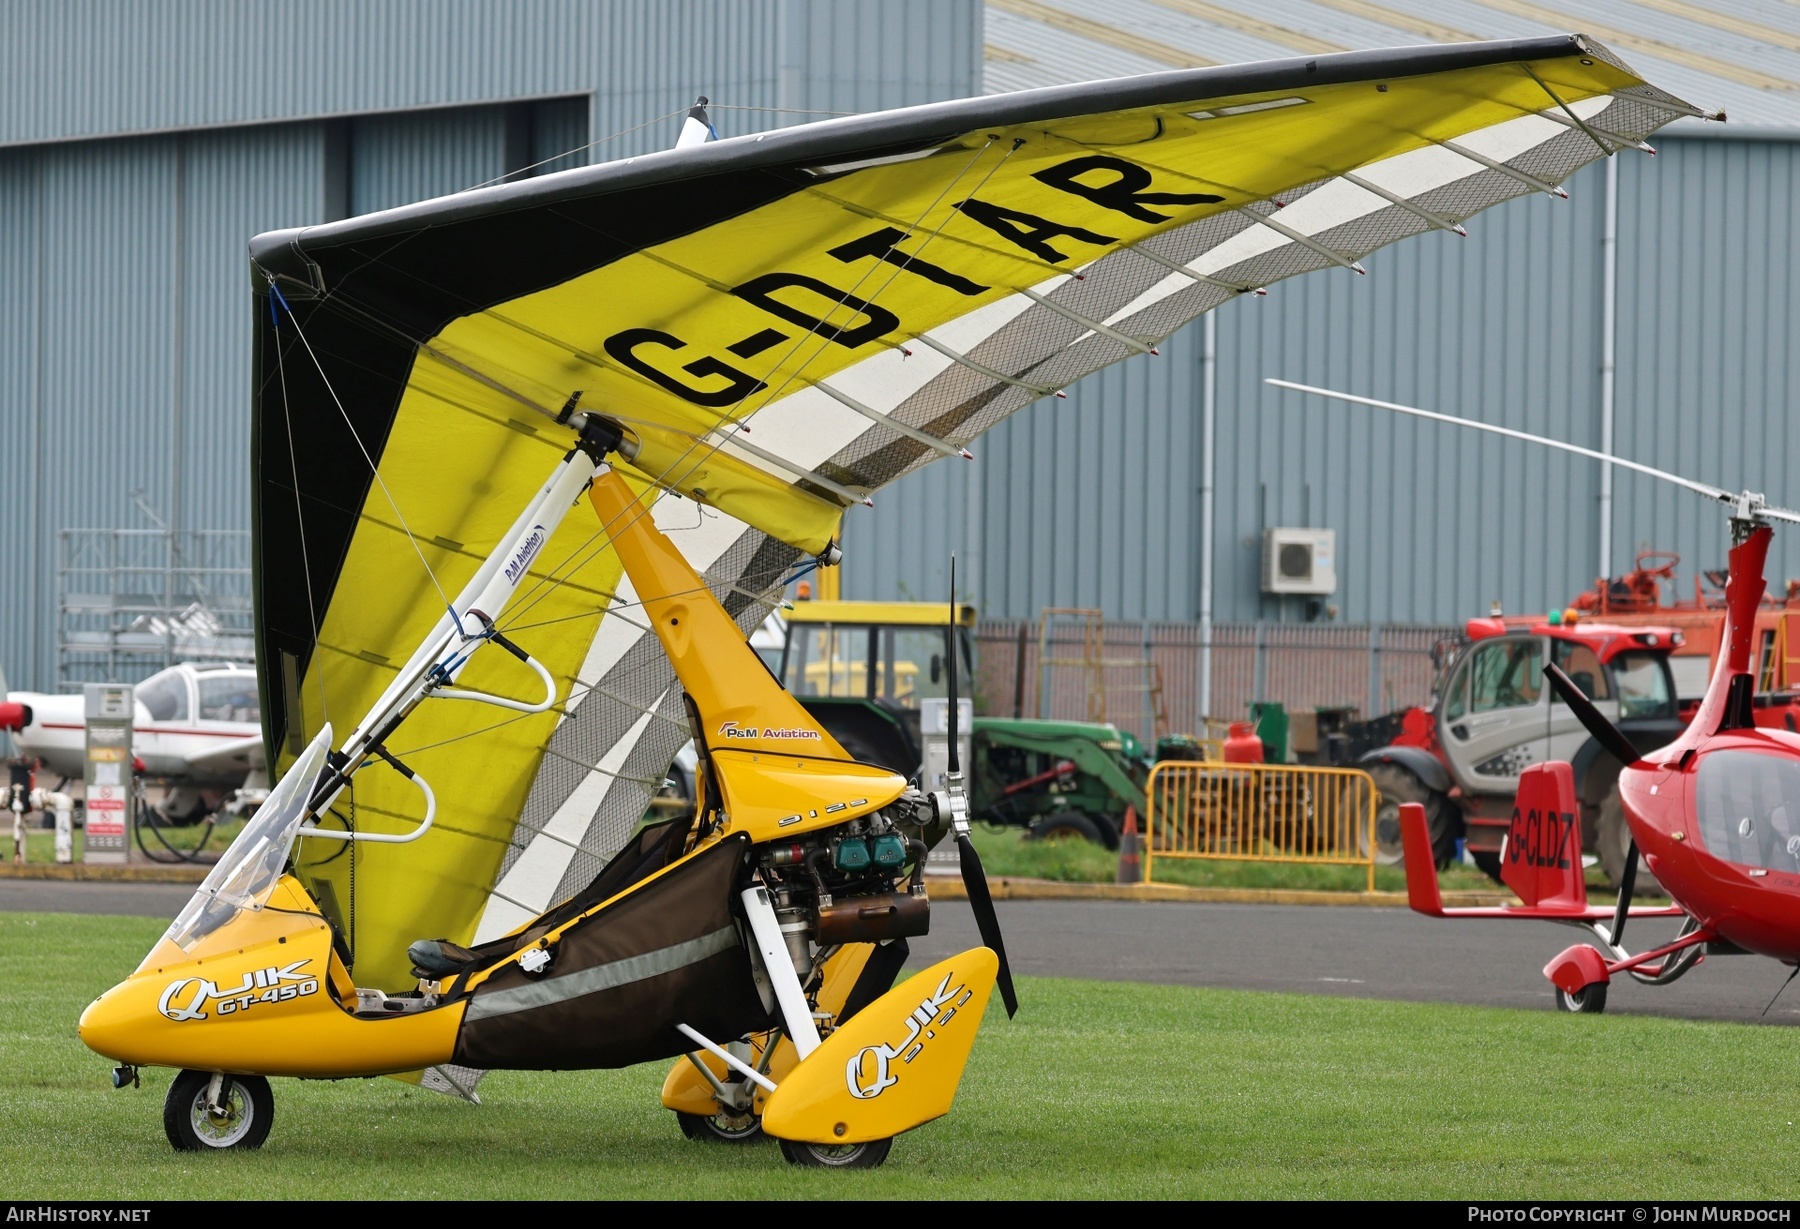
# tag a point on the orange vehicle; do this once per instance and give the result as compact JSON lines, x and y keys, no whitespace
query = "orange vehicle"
{"x":1636,"y":599}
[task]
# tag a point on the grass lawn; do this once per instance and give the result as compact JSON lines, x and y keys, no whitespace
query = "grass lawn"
{"x":1096,"y":1090}
{"x":40,"y":843}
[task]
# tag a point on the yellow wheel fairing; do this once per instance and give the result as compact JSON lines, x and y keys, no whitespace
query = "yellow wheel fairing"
{"x":751,"y":311}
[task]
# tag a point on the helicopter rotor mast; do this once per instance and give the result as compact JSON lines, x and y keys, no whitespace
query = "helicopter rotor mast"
{"x":1748,"y":508}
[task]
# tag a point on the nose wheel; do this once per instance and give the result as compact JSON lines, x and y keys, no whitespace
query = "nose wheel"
{"x":208,"y":1111}
{"x":1589,"y":1000}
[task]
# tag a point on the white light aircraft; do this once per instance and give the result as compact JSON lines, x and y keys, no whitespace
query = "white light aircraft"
{"x":198,"y":726}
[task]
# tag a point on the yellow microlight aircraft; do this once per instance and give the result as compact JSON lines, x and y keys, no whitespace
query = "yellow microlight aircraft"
{"x":719,"y":348}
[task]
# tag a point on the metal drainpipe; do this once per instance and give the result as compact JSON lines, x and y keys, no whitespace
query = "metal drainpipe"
{"x":975,"y":531}
{"x":1209,"y":364}
{"x":1609,"y":300}
{"x":790,"y":85}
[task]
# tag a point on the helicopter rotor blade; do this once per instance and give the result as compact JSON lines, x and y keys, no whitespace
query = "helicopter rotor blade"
{"x":974,"y":876}
{"x":1700,"y":488}
{"x":1605,"y":732}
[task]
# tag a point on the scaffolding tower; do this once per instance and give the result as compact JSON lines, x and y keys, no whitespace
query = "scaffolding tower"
{"x":130,"y":602}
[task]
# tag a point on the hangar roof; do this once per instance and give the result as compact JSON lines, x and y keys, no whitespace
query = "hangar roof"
{"x":1742,"y":56}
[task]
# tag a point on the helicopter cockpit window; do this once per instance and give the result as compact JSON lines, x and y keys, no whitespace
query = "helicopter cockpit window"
{"x":166,"y":696}
{"x":1582,"y":665}
{"x":1748,"y":805}
{"x":1644,"y":685}
{"x":1505,"y":674}
{"x":251,"y":865}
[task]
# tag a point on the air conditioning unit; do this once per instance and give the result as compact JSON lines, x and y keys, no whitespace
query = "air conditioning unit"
{"x":1299,"y":561}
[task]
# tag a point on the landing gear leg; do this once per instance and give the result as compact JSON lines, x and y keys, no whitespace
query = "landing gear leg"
{"x":736,"y":1121}
{"x":207,"y":1110}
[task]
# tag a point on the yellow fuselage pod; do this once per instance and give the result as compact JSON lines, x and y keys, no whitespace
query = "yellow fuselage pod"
{"x":780,"y":773}
{"x":264,"y":994}
{"x":894,"y":1065}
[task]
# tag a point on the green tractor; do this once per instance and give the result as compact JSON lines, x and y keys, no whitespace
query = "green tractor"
{"x":873,"y":674}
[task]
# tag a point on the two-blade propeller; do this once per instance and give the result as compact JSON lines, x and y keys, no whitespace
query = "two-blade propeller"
{"x":974,"y":877}
{"x":1613,"y":739}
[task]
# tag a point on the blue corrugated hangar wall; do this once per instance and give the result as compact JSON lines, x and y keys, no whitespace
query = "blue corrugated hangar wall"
{"x":142,"y":145}
{"x":1095,"y":501}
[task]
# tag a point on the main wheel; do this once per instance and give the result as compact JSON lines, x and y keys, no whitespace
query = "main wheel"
{"x":837,"y":1156}
{"x":1063,"y":825}
{"x":1589,"y":1000}
{"x":1398,"y":785}
{"x":242,"y":1118}
{"x":724,"y":1127}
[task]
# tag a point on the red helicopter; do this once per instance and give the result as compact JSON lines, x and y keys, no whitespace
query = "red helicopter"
{"x":1714,"y":814}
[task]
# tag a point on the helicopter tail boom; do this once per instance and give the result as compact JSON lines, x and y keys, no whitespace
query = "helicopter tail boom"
{"x":1424,"y":896}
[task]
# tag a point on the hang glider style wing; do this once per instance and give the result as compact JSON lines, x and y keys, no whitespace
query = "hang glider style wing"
{"x":784,"y":323}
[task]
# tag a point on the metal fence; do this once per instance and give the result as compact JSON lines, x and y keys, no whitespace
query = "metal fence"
{"x":131,"y":601}
{"x":1374,"y":669}
{"x":1261,"y":813}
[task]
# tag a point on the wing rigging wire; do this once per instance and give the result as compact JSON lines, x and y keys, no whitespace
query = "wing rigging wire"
{"x":287,"y":414}
{"x":374,"y":470}
{"x":579,"y":149}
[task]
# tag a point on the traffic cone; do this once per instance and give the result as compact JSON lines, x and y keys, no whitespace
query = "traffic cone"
{"x":1131,"y":865}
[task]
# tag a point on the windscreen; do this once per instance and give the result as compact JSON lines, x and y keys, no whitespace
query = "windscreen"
{"x":229,"y":697}
{"x":882,"y":662}
{"x":1749,"y":808}
{"x":249,"y":869}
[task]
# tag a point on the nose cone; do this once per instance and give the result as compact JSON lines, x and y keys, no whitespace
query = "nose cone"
{"x":110,"y":1022}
